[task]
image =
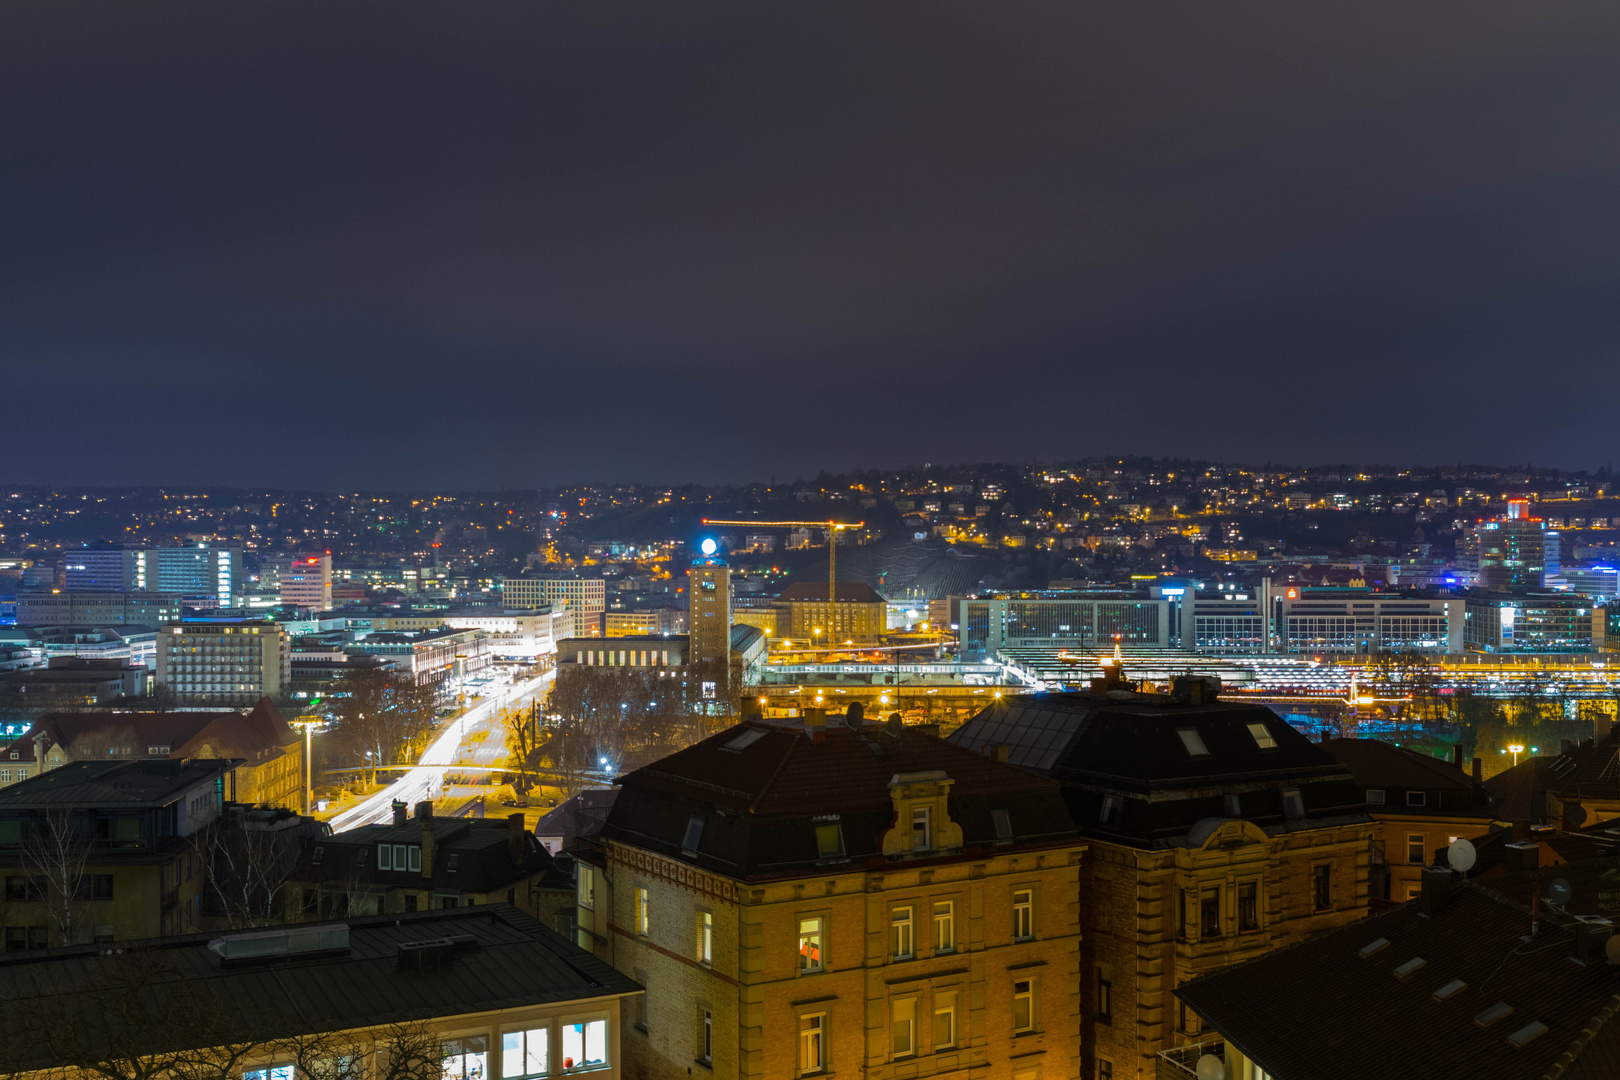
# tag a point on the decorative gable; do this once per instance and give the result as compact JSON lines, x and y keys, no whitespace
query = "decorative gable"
{"x":922,"y":820}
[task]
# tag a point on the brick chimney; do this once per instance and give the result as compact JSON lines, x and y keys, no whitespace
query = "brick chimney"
{"x":1479,"y":771}
{"x":815,"y":724}
{"x":1456,"y":755}
{"x":400,"y":817}
{"x":424,"y":814}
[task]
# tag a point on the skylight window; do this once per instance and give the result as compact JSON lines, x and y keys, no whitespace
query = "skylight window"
{"x":1412,"y":965}
{"x":1193,"y":741}
{"x":1450,"y":990}
{"x":744,"y":741}
{"x":694,"y":833}
{"x":829,"y":841}
{"x":1374,"y":946}
{"x":1533,"y":1030}
{"x":1501,"y":1010}
{"x":1262,"y":737}
{"x":1003,"y":823}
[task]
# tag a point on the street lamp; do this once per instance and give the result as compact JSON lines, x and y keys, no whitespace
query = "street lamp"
{"x":1516,"y":749}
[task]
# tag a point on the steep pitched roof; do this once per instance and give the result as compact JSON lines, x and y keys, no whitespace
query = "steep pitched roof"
{"x":1394,"y":769}
{"x":756,"y":788}
{"x":1589,"y":770}
{"x":1325,"y":1008}
{"x":187,"y":734}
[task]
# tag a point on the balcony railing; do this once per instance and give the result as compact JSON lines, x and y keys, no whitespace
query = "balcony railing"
{"x":1181,"y":1062}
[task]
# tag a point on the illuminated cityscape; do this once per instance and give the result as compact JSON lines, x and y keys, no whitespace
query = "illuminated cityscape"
{"x":972,"y":542}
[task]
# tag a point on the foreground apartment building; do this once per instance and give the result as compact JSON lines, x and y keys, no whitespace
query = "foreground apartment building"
{"x":833,"y":897}
{"x":1215,"y":833}
{"x":460,"y":994}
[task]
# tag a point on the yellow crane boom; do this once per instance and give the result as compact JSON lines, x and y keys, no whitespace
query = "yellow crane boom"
{"x":833,"y":529}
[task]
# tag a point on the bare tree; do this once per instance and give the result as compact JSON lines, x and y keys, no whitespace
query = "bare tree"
{"x":522,"y":730}
{"x":247,"y":869}
{"x":55,"y":852}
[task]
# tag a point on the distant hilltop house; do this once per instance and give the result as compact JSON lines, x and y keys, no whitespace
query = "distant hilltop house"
{"x":270,"y":752}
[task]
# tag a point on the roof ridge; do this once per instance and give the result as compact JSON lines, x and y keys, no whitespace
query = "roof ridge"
{"x":1587,"y":1034}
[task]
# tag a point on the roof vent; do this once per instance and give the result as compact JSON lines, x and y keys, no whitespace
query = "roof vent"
{"x":1374,"y":946}
{"x":280,"y":944}
{"x":427,"y":954}
{"x":1529,"y":1033}
{"x":1450,"y":990}
{"x":1414,"y":964}
{"x":1500,"y":1011}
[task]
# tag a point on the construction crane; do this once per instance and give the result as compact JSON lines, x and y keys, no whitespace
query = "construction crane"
{"x":833,"y":529}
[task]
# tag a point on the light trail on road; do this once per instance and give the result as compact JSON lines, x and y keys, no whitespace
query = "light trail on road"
{"x":439,"y":758}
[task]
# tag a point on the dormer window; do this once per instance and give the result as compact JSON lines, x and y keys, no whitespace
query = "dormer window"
{"x":1417,"y":798}
{"x":315,"y":856}
{"x":455,"y":859}
{"x":1193,"y":741}
{"x":694,"y":833}
{"x":1109,"y":813}
{"x":1293,"y":804}
{"x":1375,"y":796}
{"x":921,"y":833}
{"x":829,"y":840}
{"x":1003,"y":823}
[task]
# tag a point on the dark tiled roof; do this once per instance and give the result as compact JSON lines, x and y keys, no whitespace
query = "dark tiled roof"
{"x":1320,"y":1009}
{"x":1133,"y":746}
{"x":1518,"y":791}
{"x":1586,"y":771}
{"x":509,"y":961}
{"x":481,"y":852}
{"x":234,"y":734}
{"x":1396,"y":770}
{"x":87,"y":784}
{"x":758,"y":785}
{"x":851,"y":592}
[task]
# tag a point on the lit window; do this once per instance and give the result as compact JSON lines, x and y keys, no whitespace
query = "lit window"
{"x":900,"y":932}
{"x":584,"y":1044}
{"x":810,"y":945}
{"x":829,"y":841}
{"x":705,"y":937}
{"x":587,"y":887}
{"x":903,"y":1027}
{"x":1023,"y":914}
{"x":1262,"y":737}
{"x":944,"y":926}
{"x":706,"y":1038}
{"x":466,"y":1059}
{"x":1023,"y":1005}
{"x":523,"y":1053}
{"x":642,"y":919}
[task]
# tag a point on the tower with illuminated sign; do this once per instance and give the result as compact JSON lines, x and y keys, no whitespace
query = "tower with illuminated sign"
{"x":709,"y":606}
{"x":307,"y":583}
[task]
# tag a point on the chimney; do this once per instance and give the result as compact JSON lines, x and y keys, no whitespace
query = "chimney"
{"x":1479,"y":771}
{"x":1523,"y":855}
{"x":399,"y":813}
{"x":1001,"y":751}
{"x":1456,"y":755}
{"x":815,"y":723}
{"x":1592,"y":941}
{"x":1435,"y":890}
{"x":424,"y":814}
{"x":514,"y":837}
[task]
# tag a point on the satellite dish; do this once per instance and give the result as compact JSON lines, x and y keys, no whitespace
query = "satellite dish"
{"x":1575,"y":815}
{"x":1461,"y":855}
{"x":708,"y":546}
{"x":1559,"y":892}
{"x":1211,"y":1067}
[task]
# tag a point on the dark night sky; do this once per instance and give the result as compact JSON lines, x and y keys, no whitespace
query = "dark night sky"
{"x":477,"y":245}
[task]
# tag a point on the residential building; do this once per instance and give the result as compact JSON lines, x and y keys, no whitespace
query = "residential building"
{"x":306,"y":582}
{"x":106,"y":850}
{"x":841,"y":898}
{"x":91,"y":609}
{"x":1533,"y":622}
{"x":1422,"y":805}
{"x":267,"y":755}
{"x":1467,"y":983}
{"x":224,"y":664}
{"x":463,"y":994}
{"x":1217,"y":833}
{"x":1575,"y":787}
{"x":860,"y":613}
{"x":422,"y":862}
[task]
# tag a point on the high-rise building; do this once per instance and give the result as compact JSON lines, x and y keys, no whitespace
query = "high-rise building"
{"x":307,"y":582}
{"x":100,"y":568}
{"x":224,"y":664}
{"x":1515,"y":552}
{"x":709,"y":607}
{"x":205,"y":576}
